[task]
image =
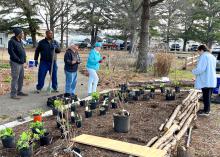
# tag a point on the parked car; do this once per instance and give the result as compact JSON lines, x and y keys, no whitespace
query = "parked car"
{"x":82,"y":44}
{"x":29,"y":41}
{"x":193,"y":48}
{"x":122,"y":46}
{"x":216,"y":53}
{"x":175,"y":47}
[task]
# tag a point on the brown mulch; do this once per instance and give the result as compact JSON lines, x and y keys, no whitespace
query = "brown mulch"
{"x":146,"y":117}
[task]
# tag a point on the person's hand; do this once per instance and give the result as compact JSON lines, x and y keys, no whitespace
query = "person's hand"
{"x":193,"y":79}
{"x":74,"y":62}
{"x":100,"y":61}
{"x":104,"y":57}
{"x":35,"y":63}
{"x":78,"y":62}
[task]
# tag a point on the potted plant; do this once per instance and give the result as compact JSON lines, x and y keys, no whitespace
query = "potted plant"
{"x":8,"y":137}
{"x":152,"y":89}
{"x":24,"y":144}
{"x":102,"y":111}
{"x":82,"y":103}
{"x":50,"y":101}
{"x":94,"y":101}
{"x":121,"y":121}
{"x":44,"y":137}
{"x":106,"y":96}
{"x":177,"y":86}
{"x":78,"y":121}
{"x":114,"y":104}
{"x":37,"y":115}
{"x":59,"y":108}
{"x":162,"y":88}
{"x":106,"y":104}
{"x":88,"y":112}
{"x":124,"y":87}
{"x":73,"y":107}
{"x":170,"y":95}
{"x":36,"y":125}
{"x":141,"y":91}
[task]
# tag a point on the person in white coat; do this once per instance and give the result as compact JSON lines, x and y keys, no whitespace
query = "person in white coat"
{"x":206,"y":80}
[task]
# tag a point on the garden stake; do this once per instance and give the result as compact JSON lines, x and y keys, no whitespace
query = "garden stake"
{"x":51,"y":73}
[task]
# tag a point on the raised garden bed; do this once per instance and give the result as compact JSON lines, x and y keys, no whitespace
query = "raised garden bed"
{"x":145,"y":119}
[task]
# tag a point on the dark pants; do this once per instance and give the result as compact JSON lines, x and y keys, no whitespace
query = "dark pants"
{"x":17,"y":74}
{"x":43,"y":69}
{"x":207,"y":93}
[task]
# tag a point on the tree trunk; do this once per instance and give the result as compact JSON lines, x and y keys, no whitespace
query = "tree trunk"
{"x":126,"y":44}
{"x":94,"y":34}
{"x":61,"y":31}
{"x":132,"y":40}
{"x":184,"y":43}
{"x":144,"y":33}
{"x":34,"y":40}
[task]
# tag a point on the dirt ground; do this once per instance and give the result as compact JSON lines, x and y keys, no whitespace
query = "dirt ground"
{"x":146,"y":118}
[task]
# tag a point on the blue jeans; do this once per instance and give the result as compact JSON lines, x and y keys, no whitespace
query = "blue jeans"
{"x":43,"y":69}
{"x":71,"y":80}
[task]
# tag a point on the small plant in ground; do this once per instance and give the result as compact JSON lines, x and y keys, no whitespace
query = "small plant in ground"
{"x":36,"y":125}
{"x":122,"y":113}
{"x":41,"y":132}
{"x":59,"y":105}
{"x":7,"y":79}
{"x":95,"y":96}
{"x":162,"y":85}
{"x":25,"y":141}
{"x":8,"y":132}
{"x":176,"y":83}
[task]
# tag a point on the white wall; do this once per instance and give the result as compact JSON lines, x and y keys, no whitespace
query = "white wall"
{"x":3,"y":40}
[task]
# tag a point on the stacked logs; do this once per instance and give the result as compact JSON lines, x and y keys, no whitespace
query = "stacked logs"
{"x":177,"y":125}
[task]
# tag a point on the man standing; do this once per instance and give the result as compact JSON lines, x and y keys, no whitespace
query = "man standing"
{"x":17,"y":59}
{"x":48,"y":49}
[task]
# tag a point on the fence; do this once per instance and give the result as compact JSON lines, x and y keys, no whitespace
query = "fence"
{"x":190,"y":60}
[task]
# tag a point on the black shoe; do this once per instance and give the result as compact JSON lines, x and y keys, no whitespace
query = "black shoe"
{"x":203,"y":113}
{"x":55,"y":91}
{"x":15,"y":97}
{"x":67,"y":95}
{"x":22,"y":94}
{"x":37,"y":91}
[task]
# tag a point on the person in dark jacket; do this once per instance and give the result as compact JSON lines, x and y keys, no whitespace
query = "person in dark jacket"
{"x":72,"y":60}
{"x":17,"y":59}
{"x":48,"y":50}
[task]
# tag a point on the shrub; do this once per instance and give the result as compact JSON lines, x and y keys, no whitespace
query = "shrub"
{"x":24,"y":142}
{"x":163,"y":64}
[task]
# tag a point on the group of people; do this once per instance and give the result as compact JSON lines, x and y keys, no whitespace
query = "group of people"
{"x":48,"y":49}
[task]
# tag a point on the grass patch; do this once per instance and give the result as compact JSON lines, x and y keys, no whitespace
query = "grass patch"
{"x":7,"y":79}
{"x":4,"y":66}
{"x":181,"y":75}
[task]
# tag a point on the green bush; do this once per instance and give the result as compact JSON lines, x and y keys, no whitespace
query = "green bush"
{"x":8,"y":132}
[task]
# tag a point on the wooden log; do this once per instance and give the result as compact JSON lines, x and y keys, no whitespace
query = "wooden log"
{"x":161,"y":127}
{"x":185,"y":127}
{"x":172,"y":118}
{"x":152,"y":141}
{"x":183,"y":152}
{"x":184,"y":113}
{"x":165,"y":143}
{"x":187,"y":116}
{"x":166,"y":136}
{"x":189,"y":137}
{"x":170,"y":145}
{"x":187,"y":98}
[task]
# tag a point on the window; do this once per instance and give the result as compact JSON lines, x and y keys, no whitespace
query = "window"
{"x":1,"y":43}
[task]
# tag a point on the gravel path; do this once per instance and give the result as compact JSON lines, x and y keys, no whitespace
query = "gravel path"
{"x":10,"y":109}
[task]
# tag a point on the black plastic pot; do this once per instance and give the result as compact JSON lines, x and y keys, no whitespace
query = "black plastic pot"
{"x":121,"y":123}
{"x":137,"y":93}
{"x":58,"y":124}
{"x":177,"y":89}
{"x":152,"y":95}
{"x":135,"y":98}
{"x":141,"y":91}
{"x":106,"y":106}
{"x":114,"y":105}
{"x":124,"y":87}
{"x":76,"y":150}
{"x":162,"y":89}
{"x":82,"y":103}
{"x":67,"y":101}
{"x":73,"y":108}
{"x":55,"y":111}
{"x":50,"y":101}
{"x":146,"y":97}
{"x":170,"y":97}
{"x":26,"y":152}
{"x":93,"y":105}
{"x":79,"y":123}
{"x":73,"y":119}
{"x":88,"y":114}
{"x":152,"y":90}
{"x":34,"y":130}
{"x":102,"y":112}
{"x":45,"y":140}
{"x":62,"y":115}
{"x":8,"y":142}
